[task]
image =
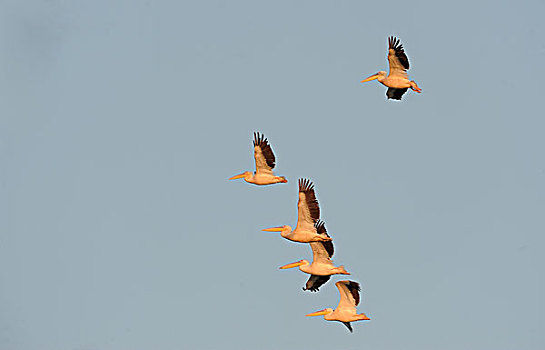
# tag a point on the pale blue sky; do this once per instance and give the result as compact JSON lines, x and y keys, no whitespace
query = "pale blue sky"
{"x":122,"y":120}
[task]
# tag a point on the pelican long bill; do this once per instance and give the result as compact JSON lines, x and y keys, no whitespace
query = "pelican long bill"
{"x":318,"y":313}
{"x":274,"y":229}
{"x":372,"y":77}
{"x":239,"y":176}
{"x":294,"y":264}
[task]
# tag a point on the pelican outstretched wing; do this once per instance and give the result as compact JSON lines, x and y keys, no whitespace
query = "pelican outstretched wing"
{"x":349,"y":326}
{"x":308,"y":209}
{"x":350,"y":295}
{"x":395,"y":94}
{"x":315,"y":282}
{"x":322,"y":251}
{"x":399,"y":63}
{"x":263,"y":154}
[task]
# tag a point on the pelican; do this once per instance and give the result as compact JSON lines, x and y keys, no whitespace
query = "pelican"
{"x":346,"y":310}
{"x":397,"y":80}
{"x":264,"y":164}
{"x":322,"y":267}
{"x":308,"y":212}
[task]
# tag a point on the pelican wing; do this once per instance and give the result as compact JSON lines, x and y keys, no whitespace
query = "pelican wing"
{"x":263,"y":154}
{"x":349,"y":326}
{"x":350,"y":294}
{"x":322,"y":251}
{"x":315,"y":282}
{"x":399,"y":63}
{"x":308,"y":208}
{"x":395,"y":94}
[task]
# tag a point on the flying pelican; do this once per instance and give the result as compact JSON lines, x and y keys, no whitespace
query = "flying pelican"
{"x":322,"y":267}
{"x":397,"y":80}
{"x":308,"y":212}
{"x":264,"y":164}
{"x":346,"y":310}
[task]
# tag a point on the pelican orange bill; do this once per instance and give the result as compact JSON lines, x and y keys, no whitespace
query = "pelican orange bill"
{"x":274,"y":229}
{"x":289,"y":266}
{"x":239,"y":176}
{"x":372,"y":77}
{"x":318,"y":313}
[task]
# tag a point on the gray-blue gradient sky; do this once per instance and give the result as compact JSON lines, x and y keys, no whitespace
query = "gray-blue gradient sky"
{"x":122,"y":120}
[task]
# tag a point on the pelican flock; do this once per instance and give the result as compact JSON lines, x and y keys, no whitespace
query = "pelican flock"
{"x":310,"y":228}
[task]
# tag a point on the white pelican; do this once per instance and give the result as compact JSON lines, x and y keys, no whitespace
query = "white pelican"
{"x":264,"y":164}
{"x":322,"y":267}
{"x":346,"y":310}
{"x":397,"y":80}
{"x":308,"y":213}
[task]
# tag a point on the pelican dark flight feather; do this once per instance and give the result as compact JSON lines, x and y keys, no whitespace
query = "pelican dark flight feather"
{"x":315,"y":282}
{"x":398,"y":54}
{"x":264,"y":164}
{"x":397,"y":80}
{"x":310,"y":202}
{"x":261,"y":144}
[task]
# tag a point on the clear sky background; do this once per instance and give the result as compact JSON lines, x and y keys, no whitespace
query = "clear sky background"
{"x":121,"y":122}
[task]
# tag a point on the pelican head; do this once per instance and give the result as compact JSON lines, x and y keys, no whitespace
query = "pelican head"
{"x":380,"y":76}
{"x":283,"y":179}
{"x":299,"y":264}
{"x":324,"y":312}
{"x":284,"y":230}
{"x":246,"y":175}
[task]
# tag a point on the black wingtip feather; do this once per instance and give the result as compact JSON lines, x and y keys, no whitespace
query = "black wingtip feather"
{"x":395,"y":94}
{"x":354,"y":288}
{"x":315,"y":282}
{"x":320,"y":227}
{"x":305,"y":185}
{"x":394,"y":43}
{"x":349,"y":326}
